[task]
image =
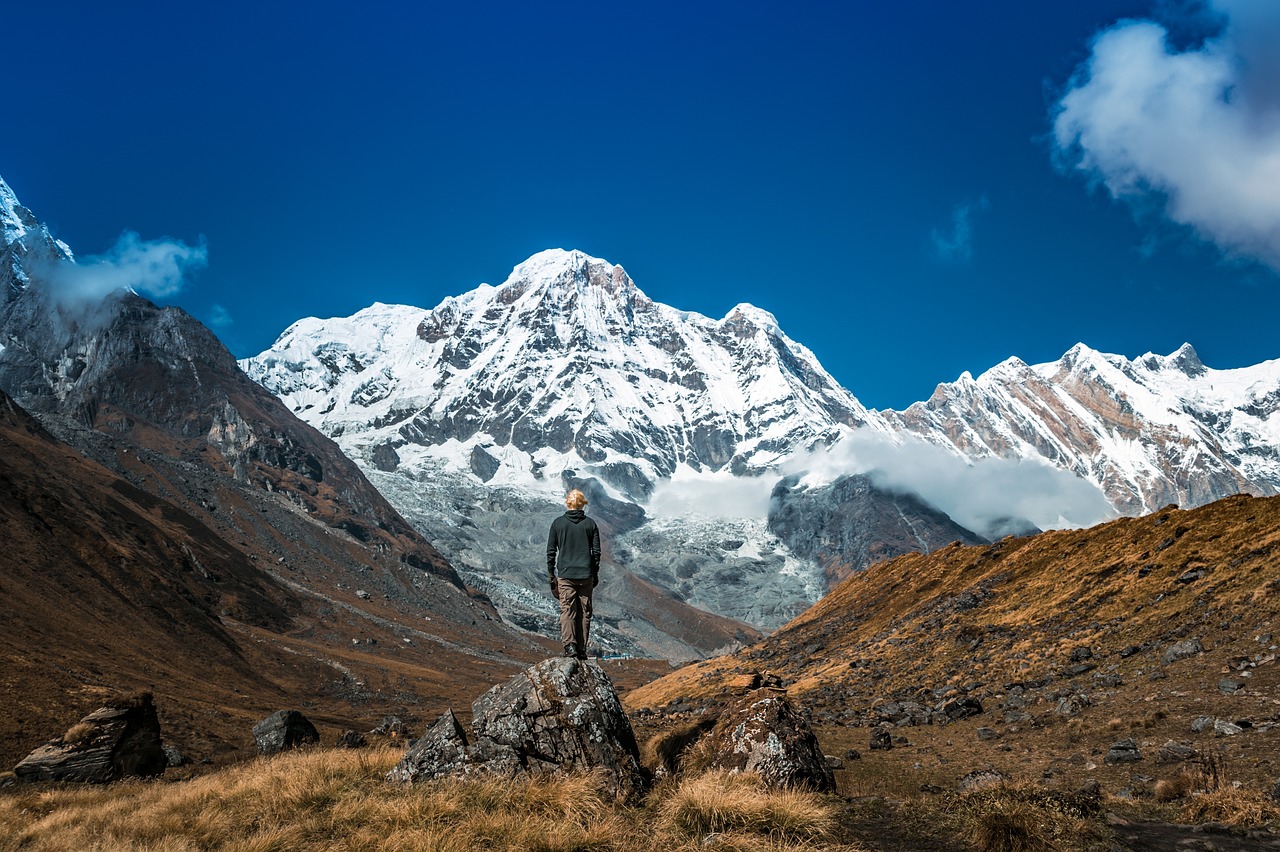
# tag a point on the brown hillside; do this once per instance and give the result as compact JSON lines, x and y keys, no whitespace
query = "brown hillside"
{"x":248,"y":608}
{"x":1061,"y":638}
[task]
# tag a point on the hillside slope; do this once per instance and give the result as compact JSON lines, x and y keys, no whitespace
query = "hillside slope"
{"x":1068,"y":641}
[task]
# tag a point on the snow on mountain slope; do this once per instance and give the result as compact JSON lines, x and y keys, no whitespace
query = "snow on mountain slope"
{"x":565,"y":366}
{"x":1148,"y":432}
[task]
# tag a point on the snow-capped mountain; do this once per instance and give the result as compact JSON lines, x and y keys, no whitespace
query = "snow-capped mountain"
{"x":1148,"y":432}
{"x":476,"y":414}
{"x":566,"y":365}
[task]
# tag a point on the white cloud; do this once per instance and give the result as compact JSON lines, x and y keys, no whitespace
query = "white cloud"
{"x":220,"y":317}
{"x":156,"y":268}
{"x":1198,"y":130}
{"x":718,"y":495}
{"x":957,"y":243}
{"x":976,"y":495}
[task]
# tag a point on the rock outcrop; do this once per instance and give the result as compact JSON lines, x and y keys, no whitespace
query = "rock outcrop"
{"x":761,"y":733}
{"x":557,"y":717}
{"x":113,"y":742}
{"x":284,"y":730}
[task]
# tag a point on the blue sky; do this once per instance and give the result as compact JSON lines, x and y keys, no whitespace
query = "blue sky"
{"x":887,"y":179}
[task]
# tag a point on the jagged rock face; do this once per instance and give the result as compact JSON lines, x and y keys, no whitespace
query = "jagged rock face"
{"x":1148,"y":432}
{"x":159,"y":379}
{"x":566,"y":360}
{"x":561,"y":716}
{"x":851,"y":523}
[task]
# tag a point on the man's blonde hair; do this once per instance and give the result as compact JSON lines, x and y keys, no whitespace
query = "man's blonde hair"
{"x":575,"y":499}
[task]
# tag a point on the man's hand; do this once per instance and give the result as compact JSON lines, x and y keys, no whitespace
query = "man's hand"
{"x":555,"y":587}
{"x":595,"y":580}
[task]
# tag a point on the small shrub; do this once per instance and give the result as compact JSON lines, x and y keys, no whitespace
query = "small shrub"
{"x":78,"y":733}
{"x":1009,"y":826}
{"x":1177,"y":787}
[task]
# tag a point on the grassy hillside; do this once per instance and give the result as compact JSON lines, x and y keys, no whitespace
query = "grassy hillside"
{"x":1062,"y":639}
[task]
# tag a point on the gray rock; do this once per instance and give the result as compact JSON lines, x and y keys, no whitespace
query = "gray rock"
{"x":1182,"y":650}
{"x":980,"y":779}
{"x":1201,"y":724}
{"x":174,"y":757}
{"x":761,"y":733}
{"x":112,"y":742}
{"x":1175,"y":752}
{"x":1223,"y":728}
{"x":557,"y":717}
{"x":881,"y":740}
{"x":964,"y":707}
{"x":351,"y":739}
{"x":441,"y":751}
{"x":1123,"y":751}
{"x":284,"y":730}
{"x":1229,"y":686}
{"x":1082,"y":653}
{"x":988,"y":733}
{"x":393,"y":727}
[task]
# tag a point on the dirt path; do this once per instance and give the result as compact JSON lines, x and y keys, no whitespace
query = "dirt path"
{"x":1168,"y":837}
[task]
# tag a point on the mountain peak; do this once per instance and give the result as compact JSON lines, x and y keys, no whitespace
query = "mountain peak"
{"x":14,"y":218}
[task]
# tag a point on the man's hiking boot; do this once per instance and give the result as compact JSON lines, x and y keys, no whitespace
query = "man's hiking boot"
{"x":571,"y":650}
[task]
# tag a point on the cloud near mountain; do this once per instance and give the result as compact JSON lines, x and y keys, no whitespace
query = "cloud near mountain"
{"x":155,"y":268}
{"x":1196,"y":131}
{"x":976,"y":494}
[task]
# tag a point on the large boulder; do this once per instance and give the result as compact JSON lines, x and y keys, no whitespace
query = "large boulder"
{"x":560,"y":716}
{"x":113,"y":742}
{"x":284,"y":730}
{"x":761,"y":733}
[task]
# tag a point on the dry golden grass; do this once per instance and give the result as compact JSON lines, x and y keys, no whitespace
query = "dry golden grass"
{"x":1177,"y":787}
{"x":1025,"y":818}
{"x":1235,"y":807}
{"x":338,"y":799}
{"x":720,"y":802}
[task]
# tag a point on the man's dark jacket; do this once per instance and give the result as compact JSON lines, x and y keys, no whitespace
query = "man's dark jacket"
{"x":576,"y":539}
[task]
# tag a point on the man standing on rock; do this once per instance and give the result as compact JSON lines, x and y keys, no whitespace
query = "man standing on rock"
{"x":573,"y":570}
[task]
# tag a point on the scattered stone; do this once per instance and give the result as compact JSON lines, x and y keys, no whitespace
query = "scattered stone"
{"x":284,"y":730}
{"x":833,"y":761}
{"x":351,"y":739}
{"x":1201,"y":724}
{"x":988,"y":733}
{"x":1078,"y":669}
{"x":881,"y":740}
{"x":1175,"y":752}
{"x":1228,"y":686}
{"x":1223,"y":728}
{"x":1082,"y":653}
{"x":1123,"y":751}
{"x":853,"y":754}
{"x":1071,"y":705}
{"x":962,"y":708}
{"x":558,"y":717}
{"x":1129,"y":651}
{"x":173,"y":757}
{"x":112,"y":742}
{"x":362,"y":594}
{"x":1182,"y":650}
{"x":1192,"y":575}
{"x":393,"y":727}
{"x":981,"y":779}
